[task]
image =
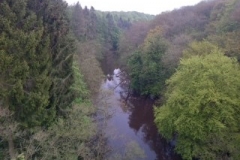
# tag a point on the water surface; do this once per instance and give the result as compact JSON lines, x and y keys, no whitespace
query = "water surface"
{"x":132,"y":121}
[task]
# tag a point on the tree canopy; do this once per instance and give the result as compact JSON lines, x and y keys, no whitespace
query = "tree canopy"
{"x":42,"y":90}
{"x":202,"y":107}
{"x":25,"y":64}
{"x":147,"y":71}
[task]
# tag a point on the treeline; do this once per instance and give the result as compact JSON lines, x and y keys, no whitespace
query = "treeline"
{"x":45,"y":110}
{"x":50,"y":76}
{"x":36,"y":61}
{"x":106,"y":27}
{"x":189,"y":58}
{"x":131,"y":16}
{"x":50,"y":71}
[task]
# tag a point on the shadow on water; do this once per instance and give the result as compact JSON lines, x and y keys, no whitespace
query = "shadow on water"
{"x":141,"y":119}
{"x":133,"y":120}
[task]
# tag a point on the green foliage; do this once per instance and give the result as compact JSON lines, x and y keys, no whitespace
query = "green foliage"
{"x":200,"y":49}
{"x":65,"y":138}
{"x":24,"y":64}
{"x":61,"y":49}
{"x":62,"y":57}
{"x":84,"y":23}
{"x":68,"y":136}
{"x":39,"y":80}
{"x":202,"y":107}
{"x":226,"y":22}
{"x":131,"y":16}
{"x":36,"y":61}
{"x":112,"y":36}
{"x":79,"y":86}
{"x":89,"y":65}
{"x":20,"y":157}
{"x":228,"y":40}
{"x":147,"y":71}
{"x":224,"y":27}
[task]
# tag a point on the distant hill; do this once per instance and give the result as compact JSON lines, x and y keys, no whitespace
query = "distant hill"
{"x":131,"y":16}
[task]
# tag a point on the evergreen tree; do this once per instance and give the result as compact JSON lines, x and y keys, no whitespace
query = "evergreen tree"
{"x":24,"y":64}
{"x":56,"y":24}
{"x":112,"y":32}
{"x":77,"y":22}
{"x":93,"y":24}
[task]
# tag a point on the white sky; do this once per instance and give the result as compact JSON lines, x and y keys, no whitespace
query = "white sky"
{"x":145,"y":6}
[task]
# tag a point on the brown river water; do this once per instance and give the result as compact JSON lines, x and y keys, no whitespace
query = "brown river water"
{"x":132,"y":120}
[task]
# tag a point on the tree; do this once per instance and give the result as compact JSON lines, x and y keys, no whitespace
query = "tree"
{"x":112,"y":32}
{"x":77,"y":22}
{"x":202,"y":107}
{"x":56,"y":28}
{"x":174,"y":53}
{"x":200,"y":48}
{"x":147,"y":72}
{"x":24,"y":64}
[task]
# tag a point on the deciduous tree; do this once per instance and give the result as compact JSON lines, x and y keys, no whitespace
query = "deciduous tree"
{"x":147,"y":72}
{"x":202,"y":107}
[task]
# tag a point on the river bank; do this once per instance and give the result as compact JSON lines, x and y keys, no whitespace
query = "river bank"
{"x":132,"y":122}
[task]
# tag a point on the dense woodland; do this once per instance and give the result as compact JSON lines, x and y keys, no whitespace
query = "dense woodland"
{"x":50,"y":55}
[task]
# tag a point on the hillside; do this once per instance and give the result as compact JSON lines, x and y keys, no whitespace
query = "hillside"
{"x":185,"y":60}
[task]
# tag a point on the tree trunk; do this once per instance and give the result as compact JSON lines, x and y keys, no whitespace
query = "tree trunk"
{"x":11,"y":148}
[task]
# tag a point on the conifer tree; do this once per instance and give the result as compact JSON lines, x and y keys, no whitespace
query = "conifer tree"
{"x":77,"y":22}
{"x":112,"y":36}
{"x":24,"y":64}
{"x":36,"y":60}
{"x":61,"y":46}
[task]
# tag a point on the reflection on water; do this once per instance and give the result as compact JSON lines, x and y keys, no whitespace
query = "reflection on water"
{"x":133,"y":121}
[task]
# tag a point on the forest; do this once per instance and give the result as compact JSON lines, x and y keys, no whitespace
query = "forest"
{"x":51,"y":57}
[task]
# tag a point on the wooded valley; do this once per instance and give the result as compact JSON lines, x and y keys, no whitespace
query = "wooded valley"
{"x":51,"y":57}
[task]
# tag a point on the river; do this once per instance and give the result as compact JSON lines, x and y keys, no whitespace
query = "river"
{"x":132,"y":122}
